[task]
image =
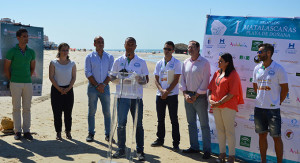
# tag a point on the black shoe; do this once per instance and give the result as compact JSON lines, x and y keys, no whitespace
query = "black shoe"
{"x":27,"y":135}
{"x":175,"y":148}
{"x":58,"y":136}
{"x":190,"y":150}
{"x":206,"y":155}
{"x":18,"y":136}
{"x":141,"y":156}
{"x":107,"y":139}
{"x":68,"y":135}
{"x":90,"y":138}
{"x":119,"y":154}
{"x":157,"y":143}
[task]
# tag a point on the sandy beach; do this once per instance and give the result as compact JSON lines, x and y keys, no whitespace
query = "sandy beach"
{"x":44,"y":147}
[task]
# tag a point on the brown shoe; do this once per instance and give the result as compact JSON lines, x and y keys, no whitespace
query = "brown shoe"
{"x":230,"y":159}
{"x":221,"y":158}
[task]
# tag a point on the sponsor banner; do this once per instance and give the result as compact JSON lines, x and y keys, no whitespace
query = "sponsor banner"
{"x":241,"y":36}
{"x":8,"y":40}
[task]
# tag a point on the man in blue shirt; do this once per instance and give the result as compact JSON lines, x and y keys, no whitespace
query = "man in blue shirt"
{"x":97,"y":65}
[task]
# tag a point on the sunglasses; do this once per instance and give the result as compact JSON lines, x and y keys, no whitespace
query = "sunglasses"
{"x":168,"y":49}
{"x":259,"y":52}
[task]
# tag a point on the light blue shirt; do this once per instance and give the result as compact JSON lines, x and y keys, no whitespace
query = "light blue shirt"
{"x":98,"y":67}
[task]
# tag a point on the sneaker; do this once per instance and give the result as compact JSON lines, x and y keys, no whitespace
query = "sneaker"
{"x":141,"y":156}
{"x":18,"y":136}
{"x":107,"y":139}
{"x":90,"y":138}
{"x":206,"y":155}
{"x":119,"y":154}
{"x":27,"y":135}
{"x":190,"y":150}
{"x":157,"y":143}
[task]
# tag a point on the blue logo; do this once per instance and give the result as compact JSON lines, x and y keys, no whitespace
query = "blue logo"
{"x":222,"y":41}
{"x":137,"y":65}
{"x":291,"y":46}
{"x":251,"y":117}
{"x":171,"y":65}
{"x":208,"y":40}
{"x":271,"y":72}
{"x":294,"y":122}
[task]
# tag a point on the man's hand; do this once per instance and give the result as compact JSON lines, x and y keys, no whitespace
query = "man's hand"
{"x":188,"y":98}
{"x":214,"y":104}
{"x":141,"y":80}
{"x":100,"y":88}
{"x":164,"y":94}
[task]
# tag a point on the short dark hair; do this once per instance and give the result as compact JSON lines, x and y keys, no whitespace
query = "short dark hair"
{"x":20,"y":31}
{"x":130,"y":39}
{"x":196,"y":43}
{"x":98,"y":37}
{"x":268,"y":47}
{"x":61,"y":46}
{"x":230,"y":67}
{"x":171,"y":43}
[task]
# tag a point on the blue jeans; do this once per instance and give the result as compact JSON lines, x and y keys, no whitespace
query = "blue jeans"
{"x":93,"y":96}
{"x":267,"y":120}
{"x":199,"y":107}
{"x":123,"y":106}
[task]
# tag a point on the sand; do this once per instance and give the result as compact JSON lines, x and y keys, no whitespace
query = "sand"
{"x":44,"y":147}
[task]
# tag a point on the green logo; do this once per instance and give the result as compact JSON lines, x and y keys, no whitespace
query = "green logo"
{"x":255,"y":44}
{"x":297,"y":74}
{"x":250,"y":93}
{"x":251,"y":79}
{"x":247,"y":57}
{"x":272,"y":105}
{"x":241,"y":57}
{"x":245,"y":141}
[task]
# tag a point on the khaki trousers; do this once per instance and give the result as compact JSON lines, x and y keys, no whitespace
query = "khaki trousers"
{"x":224,"y":119}
{"x":21,"y":92}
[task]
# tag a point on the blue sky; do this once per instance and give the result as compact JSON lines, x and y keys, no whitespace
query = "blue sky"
{"x":152,"y":23}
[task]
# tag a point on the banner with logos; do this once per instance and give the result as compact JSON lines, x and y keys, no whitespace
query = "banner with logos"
{"x":9,"y":40}
{"x":240,"y":36}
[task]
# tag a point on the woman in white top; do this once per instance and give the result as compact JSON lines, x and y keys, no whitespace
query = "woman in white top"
{"x":62,"y":74}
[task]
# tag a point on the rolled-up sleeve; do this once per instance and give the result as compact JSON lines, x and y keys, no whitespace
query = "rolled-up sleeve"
{"x":88,"y":67}
{"x":202,"y":89}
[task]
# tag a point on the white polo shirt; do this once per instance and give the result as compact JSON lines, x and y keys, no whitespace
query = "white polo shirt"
{"x":162,"y":70}
{"x":137,"y":65}
{"x":268,"y":88}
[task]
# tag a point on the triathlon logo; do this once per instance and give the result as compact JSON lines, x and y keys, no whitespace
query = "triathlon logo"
{"x":289,"y":134}
{"x":218,"y":28}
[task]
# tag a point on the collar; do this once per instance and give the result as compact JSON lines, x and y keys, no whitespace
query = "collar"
{"x":17,"y":46}
{"x":172,"y":59}
{"x":198,"y":59}
{"x":271,"y":65}
{"x":134,"y":58}
{"x":97,"y":54}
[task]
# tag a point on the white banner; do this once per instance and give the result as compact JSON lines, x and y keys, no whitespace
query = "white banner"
{"x":240,"y":36}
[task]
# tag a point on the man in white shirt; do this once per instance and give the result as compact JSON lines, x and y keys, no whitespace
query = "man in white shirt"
{"x":97,"y":66}
{"x":194,"y":83}
{"x":270,"y":82}
{"x":130,"y":62}
{"x":167,"y":73}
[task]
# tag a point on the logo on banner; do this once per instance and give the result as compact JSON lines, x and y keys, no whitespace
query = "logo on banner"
{"x":289,"y":134}
{"x":289,"y":61}
{"x":287,"y":100}
{"x":297,"y":74}
{"x":251,"y":80}
{"x":250,"y":93}
{"x":251,"y":118}
{"x":293,"y":151}
{"x":244,"y":57}
{"x":208,"y":45}
{"x":222,"y":43}
{"x":255,"y":44}
{"x":291,"y":49}
{"x":294,"y":123}
{"x":245,"y":141}
{"x":208,"y":55}
{"x":217,"y":28}
{"x":275,"y":46}
{"x":243,"y":45}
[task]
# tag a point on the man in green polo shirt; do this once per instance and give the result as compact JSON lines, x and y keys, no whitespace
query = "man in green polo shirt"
{"x":19,"y":66}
